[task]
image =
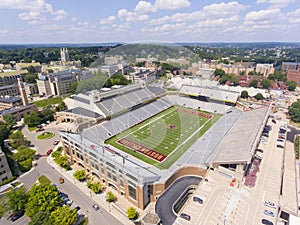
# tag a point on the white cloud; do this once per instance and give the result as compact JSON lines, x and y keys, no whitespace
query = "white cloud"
{"x":74,"y":19}
{"x":60,"y":14}
{"x":275,"y":3}
{"x":263,"y":16}
{"x":131,"y":16}
{"x":211,"y":12}
{"x":33,"y":9}
{"x":144,"y":7}
{"x":294,"y":16}
{"x":30,"y":15}
{"x":107,"y":20}
{"x":171,"y":4}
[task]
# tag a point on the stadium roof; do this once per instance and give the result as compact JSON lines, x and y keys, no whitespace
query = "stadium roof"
{"x":238,"y":144}
{"x":212,"y":93}
{"x":84,"y":112}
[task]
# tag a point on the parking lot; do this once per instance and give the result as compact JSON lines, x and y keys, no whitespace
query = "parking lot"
{"x":223,"y":204}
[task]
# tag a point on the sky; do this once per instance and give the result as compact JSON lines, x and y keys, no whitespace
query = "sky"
{"x":130,"y":21}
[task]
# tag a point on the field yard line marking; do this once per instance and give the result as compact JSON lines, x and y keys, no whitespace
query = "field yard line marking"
{"x":150,"y":122}
{"x":175,"y":149}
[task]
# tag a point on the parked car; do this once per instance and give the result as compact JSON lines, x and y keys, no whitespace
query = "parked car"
{"x":280,"y":140}
{"x":96,"y":207}
{"x":197,"y":199}
{"x":49,"y":151}
{"x":61,"y":180}
{"x":270,"y":204}
{"x":69,"y":202}
{"x":77,"y":208}
{"x":273,"y":121}
{"x":185,"y":216}
{"x":17,"y":215}
{"x":269,"y":213}
{"x":267,"y":222}
{"x":55,"y":142}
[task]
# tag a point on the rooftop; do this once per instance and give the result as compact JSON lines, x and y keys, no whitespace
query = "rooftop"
{"x":236,"y":147}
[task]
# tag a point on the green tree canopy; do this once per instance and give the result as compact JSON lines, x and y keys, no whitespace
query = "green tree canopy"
{"x":24,"y":153}
{"x":96,"y":187}
{"x":219,"y":72}
{"x":74,"y":87}
{"x":277,"y":76}
{"x":17,"y":139}
{"x":47,"y":115}
{"x":110,"y":197}
{"x":266,"y":84}
{"x":42,"y":197}
{"x":80,"y":175}
{"x":244,"y":94}
{"x":17,"y":199}
{"x":30,"y":78}
{"x":63,"y":216}
{"x":253,"y":83}
{"x":41,"y":218}
{"x":32,"y":119}
{"x":131,"y":213}
{"x":291,"y":85}
{"x":294,"y":112}
{"x":10,"y":120}
{"x":259,"y":96}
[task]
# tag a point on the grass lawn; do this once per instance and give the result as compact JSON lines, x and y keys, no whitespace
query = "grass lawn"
{"x":32,"y":128}
{"x":45,"y":135}
{"x":166,"y":136}
{"x":44,"y":180}
{"x":48,"y":102}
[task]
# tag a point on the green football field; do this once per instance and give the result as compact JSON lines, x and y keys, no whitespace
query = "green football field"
{"x":162,"y":139}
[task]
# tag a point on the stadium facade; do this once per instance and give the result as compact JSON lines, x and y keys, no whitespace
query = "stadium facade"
{"x":118,"y":110}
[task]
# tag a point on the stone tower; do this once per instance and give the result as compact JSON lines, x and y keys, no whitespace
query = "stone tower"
{"x":22,"y":92}
{"x":64,"y":55}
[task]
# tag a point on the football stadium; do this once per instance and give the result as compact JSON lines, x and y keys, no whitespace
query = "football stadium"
{"x":139,"y":139}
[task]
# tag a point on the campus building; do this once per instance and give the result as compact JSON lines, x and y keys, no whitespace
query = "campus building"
{"x":59,"y":83}
{"x":120,"y":109}
{"x":5,"y":172}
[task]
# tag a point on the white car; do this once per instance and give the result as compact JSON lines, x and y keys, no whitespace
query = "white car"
{"x":270,"y":204}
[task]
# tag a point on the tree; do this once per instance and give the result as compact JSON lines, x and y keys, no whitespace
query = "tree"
{"x":131,"y":213}
{"x":63,"y":216}
{"x":47,"y":115}
{"x":253,"y":83}
{"x":291,"y":85}
{"x":10,"y":120}
{"x":74,"y":87}
{"x":294,"y":112}
{"x":41,"y":218}
{"x":266,"y":84}
{"x":32,"y":119}
{"x":96,"y":187}
{"x":80,"y":175}
{"x":17,"y":199}
{"x":4,"y":132}
{"x":219,"y":72}
{"x":30,"y":78}
{"x":17,"y":139}
{"x":110,"y":197}
{"x":259,"y":96}
{"x":244,"y":94}
{"x":42,"y":197}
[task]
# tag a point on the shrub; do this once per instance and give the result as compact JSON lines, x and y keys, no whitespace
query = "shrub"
{"x":110,"y":197}
{"x":131,"y":213}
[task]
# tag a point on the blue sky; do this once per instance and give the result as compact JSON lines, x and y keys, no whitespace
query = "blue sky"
{"x":78,"y":21}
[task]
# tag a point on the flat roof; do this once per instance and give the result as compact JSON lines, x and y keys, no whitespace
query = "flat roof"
{"x":13,"y":73}
{"x":84,"y":112}
{"x":238,"y":143}
{"x":289,"y":184}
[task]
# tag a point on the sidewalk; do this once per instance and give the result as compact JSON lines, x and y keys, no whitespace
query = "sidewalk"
{"x":117,"y":209}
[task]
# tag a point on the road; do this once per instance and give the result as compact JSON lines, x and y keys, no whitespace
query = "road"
{"x":84,"y":200}
{"x":164,"y":205}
